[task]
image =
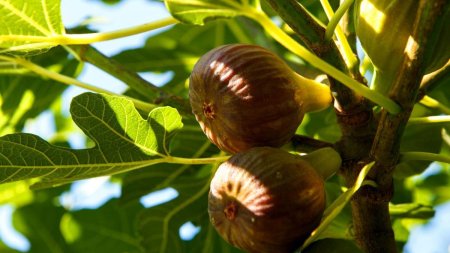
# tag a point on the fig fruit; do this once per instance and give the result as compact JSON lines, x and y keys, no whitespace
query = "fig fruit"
{"x":266,"y":200}
{"x":245,"y":96}
{"x":384,"y":28}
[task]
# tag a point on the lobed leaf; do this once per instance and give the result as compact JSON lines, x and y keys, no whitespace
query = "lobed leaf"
{"x":123,"y":141}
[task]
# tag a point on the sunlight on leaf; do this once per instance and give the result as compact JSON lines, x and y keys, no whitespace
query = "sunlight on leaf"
{"x":124,"y":141}
{"x":22,"y":18}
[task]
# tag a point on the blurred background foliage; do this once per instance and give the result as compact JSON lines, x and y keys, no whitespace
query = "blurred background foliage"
{"x":126,"y":223}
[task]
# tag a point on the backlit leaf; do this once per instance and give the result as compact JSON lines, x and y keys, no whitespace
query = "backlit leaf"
{"x":123,"y":141}
{"x":22,"y":19}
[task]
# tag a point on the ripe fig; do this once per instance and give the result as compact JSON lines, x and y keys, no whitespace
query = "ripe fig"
{"x":244,"y":96}
{"x":266,"y":200}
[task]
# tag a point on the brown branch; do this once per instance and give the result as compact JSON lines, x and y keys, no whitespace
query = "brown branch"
{"x":373,"y":229}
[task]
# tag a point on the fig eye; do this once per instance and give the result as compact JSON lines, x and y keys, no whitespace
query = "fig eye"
{"x":208,"y":110}
{"x":231,"y":210}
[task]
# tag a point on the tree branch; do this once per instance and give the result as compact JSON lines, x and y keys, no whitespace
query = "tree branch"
{"x":373,"y":229}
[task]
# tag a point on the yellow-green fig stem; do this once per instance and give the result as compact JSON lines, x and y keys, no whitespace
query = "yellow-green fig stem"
{"x":279,"y":35}
{"x":326,"y":161}
{"x":315,"y":96}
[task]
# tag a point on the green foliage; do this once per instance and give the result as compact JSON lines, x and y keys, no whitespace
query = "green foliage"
{"x":25,"y":95}
{"x":145,"y":152}
{"x":124,"y":141}
{"x":100,"y":230}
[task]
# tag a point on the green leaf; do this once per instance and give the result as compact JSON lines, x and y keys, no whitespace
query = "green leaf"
{"x":208,"y":240}
{"x":424,"y":138}
{"x":159,"y":225}
{"x":39,"y":222}
{"x":100,"y":230}
{"x":321,"y":125}
{"x":335,"y":208}
{"x":141,"y":182}
{"x":29,"y":19}
{"x":16,"y":193}
{"x":411,"y":210}
{"x":192,"y":183}
{"x":340,"y":227}
{"x":24,"y":96}
{"x":199,"y":12}
{"x":123,"y":141}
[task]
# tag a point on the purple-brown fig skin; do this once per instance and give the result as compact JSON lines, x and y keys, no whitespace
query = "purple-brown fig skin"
{"x":266,"y":200}
{"x":244,"y":96}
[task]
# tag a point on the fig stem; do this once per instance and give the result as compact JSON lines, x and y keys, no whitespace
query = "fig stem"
{"x":318,"y":94}
{"x":429,"y":120}
{"x":346,"y":51}
{"x":72,"y":81}
{"x":89,"y":38}
{"x":326,"y":161}
{"x":279,"y":35}
{"x":424,"y":156}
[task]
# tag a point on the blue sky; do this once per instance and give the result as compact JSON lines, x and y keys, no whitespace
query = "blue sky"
{"x":432,"y":237}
